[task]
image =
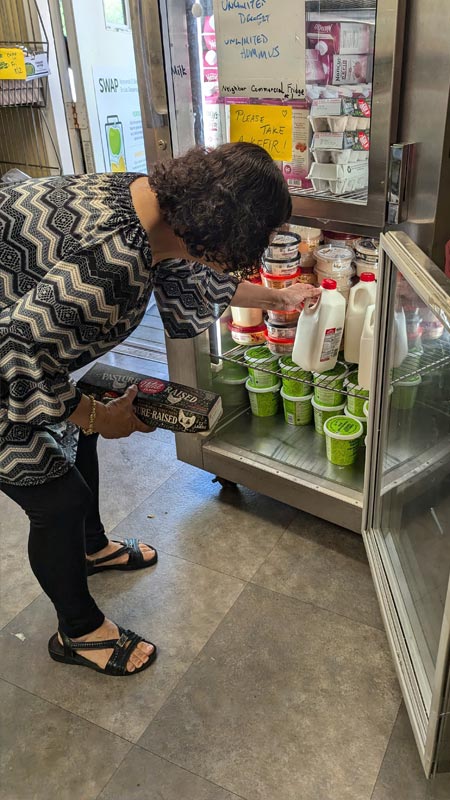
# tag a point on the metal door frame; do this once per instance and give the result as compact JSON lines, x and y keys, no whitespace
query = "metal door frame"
{"x":423,"y":702}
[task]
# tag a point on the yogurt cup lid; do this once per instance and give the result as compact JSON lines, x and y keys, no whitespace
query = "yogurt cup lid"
{"x":319,"y":407}
{"x":330,"y":252}
{"x":281,"y":277}
{"x":289,"y":365}
{"x":294,"y":261}
{"x":368,"y":247}
{"x":283,"y":239}
{"x":259,"y":355}
{"x":287,"y":311}
{"x":233,"y":381}
{"x":251,"y":388}
{"x":343,"y":427}
{"x":306,"y":398}
{"x":414,"y":380}
{"x":339,"y":235}
{"x":336,"y":372}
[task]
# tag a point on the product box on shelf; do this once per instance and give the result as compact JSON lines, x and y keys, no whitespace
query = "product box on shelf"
{"x":351,"y":69}
{"x":296,"y":171}
{"x":159,"y":403}
{"x":342,"y":38}
{"x":340,"y":106}
{"x":345,"y":140}
{"x":340,"y":178}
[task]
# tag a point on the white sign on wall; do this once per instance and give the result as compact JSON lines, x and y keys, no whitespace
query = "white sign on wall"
{"x":119,"y":114}
{"x":261,"y":48}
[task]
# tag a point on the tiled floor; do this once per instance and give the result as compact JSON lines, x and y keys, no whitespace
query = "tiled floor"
{"x":274,"y":679}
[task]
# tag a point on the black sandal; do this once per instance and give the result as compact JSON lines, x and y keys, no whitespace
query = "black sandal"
{"x":135,"y":558}
{"x":117,"y":664}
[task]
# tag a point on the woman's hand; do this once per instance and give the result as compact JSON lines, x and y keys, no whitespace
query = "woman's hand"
{"x":118,"y":419}
{"x":294,"y":296}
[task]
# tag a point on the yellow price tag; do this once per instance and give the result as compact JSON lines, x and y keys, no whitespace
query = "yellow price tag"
{"x":268,"y":126}
{"x":12,"y":64}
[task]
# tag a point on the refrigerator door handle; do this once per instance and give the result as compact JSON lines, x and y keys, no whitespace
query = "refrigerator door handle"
{"x":150,"y":58}
{"x":398,"y":183}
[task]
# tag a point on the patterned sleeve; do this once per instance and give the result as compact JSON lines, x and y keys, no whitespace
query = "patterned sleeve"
{"x":50,"y":328}
{"x":191,"y":296}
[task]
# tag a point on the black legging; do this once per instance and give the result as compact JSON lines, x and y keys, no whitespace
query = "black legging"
{"x":65,"y":524}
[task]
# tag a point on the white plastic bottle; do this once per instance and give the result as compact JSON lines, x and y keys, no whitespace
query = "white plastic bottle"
{"x":400,"y":350}
{"x":319,"y":331}
{"x":366,"y":349}
{"x":361,"y":296}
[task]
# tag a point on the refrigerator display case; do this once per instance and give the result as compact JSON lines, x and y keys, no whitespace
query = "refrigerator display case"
{"x":397,"y":492}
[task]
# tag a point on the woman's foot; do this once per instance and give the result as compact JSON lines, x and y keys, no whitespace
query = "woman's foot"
{"x":112,"y":547}
{"x":109,"y":630}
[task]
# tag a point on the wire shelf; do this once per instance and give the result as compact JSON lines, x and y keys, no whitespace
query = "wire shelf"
{"x":429,"y":363}
{"x":359,"y":197}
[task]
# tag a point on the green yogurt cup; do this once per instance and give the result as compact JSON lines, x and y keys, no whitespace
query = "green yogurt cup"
{"x":261,"y":356}
{"x":297,"y":410}
{"x":329,"y":392}
{"x":355,"y":404}
{"x":233,"y":372}
{"x":366,"y":409}
{"x":362,"y":420}
{"x":343,"y":436}
{"x":322,"y":413}
{"x":291,"y":371}
{"x":405,"y":393}
{"x":263,"y":401}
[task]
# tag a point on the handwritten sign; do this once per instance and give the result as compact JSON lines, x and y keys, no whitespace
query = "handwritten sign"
{"x":12,"y":64}
{"x":261,"y":48}
{"x":268,"y":126}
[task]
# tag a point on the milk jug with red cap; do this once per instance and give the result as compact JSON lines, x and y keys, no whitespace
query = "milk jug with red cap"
{"x":361,"y":297}
{"x":319,"y":330}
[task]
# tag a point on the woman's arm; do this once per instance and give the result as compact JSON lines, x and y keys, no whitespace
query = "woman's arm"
{"x":252,"y":295}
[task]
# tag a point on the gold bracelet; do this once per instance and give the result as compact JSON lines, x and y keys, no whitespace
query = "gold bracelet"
{"x":93,"y":413}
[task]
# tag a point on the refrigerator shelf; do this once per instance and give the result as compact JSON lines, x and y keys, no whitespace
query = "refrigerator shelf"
{"x":236,"y":356}
{"x":357,"y":197}
{"x":428,"y":364}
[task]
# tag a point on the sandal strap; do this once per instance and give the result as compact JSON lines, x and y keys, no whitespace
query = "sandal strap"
{"x":104,"y":559}
{"x":69,"y":644}
{"x":122,"y":649}
{"x":129,"y":547}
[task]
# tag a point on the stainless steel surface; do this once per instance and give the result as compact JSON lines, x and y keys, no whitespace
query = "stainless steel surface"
{"x":385,"y":104}
{"x":425,"y":119}
{"x":147,"y":41}
{"x":299,"y":448}
{"x":316,"y":497}
{"x":399,"y":182}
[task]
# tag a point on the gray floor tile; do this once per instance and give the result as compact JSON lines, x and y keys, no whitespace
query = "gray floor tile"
{"x":130,"y":469}
{"x":49,"y":754}
{"x":178,"y":605}
{"x":143,"y":776}
{"x":323,"y":564}
{"x":18,"y":586}
{"x":401,"y":775}
{"x":286,"y":701}
{"x":229,"y":530}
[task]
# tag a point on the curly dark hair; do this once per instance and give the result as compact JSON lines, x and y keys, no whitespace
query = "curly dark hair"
{"x":223,"y":203}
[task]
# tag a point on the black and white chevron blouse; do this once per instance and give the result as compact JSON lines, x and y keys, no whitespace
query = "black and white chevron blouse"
{"x":75,"y":279}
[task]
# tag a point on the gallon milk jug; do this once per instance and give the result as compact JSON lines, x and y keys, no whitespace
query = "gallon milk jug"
{"x":366,"y":349}
{"x":400,"y":338}
{"x":361,"y":296}
{"x":319,"y":331}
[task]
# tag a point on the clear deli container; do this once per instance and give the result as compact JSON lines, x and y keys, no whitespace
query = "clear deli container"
{"x":248,"y":336}
{"x":281,"y":331}
{"x":280,"y":347}
{"x":339,"y":239}
{"x":334,"y":260}
{"x":283,"y":317}
{"x":247,"y":317}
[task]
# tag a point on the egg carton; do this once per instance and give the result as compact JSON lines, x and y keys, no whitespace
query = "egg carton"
{"x":339,"y":178}
{"x":339,"y":124}
{"x":347,"y":147}
{"x":316,"y":91}
{"x":341,"y":106}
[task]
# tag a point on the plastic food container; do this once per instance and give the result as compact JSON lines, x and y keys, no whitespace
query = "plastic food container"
{"x":261,"y":357}
{"x":263,"y":401}
{"x":292,"y":375}
{"x":232,"y":390}
{"x":248,"y":335}
{"x":308,"y":276}
{"x":405,"y":393}
{"x":281,"y":331}
{"x":322,"y":413}
{"x":232,"y":371}
{"x":283,"y":317}
{"x":297,"y":410}
{"x":362,"y":420}
{"x":339,"y":239}
{"x":334,"y":260}
{"x":364,"y":266}
{"x":273,"y":267}
{"x":342,"y":281}
{"x":343,"y":435}
{"x":280,"y":347}
{"x":247,"y":317}
{"x":329,"y":392}
{"x":355,"y":404}
{"x":279,"y":281}
{"x":283,"y":247}
{"x":367,"y":250}
{"x":309,"y":240}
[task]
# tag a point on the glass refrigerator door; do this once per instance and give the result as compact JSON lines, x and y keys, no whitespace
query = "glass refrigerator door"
{"x":408,"y":486}
{"x":315,"y":82}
